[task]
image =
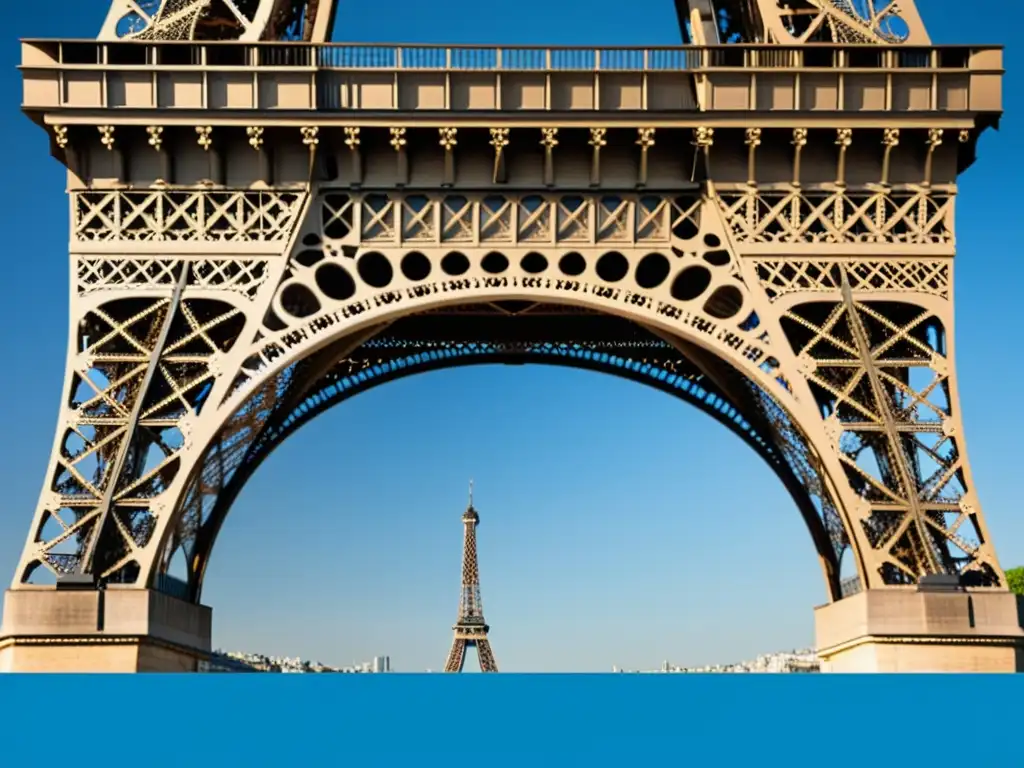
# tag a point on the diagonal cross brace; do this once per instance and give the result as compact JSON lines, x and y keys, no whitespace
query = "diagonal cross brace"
{"x":889,"y":424}
{"x":85,"y":564}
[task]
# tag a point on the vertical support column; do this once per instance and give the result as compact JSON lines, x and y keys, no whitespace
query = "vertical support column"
{"x":448,"y":140}
{"x":398,"y":142}
{"x":255,"y":134}
{"x":352,"y":142}
{"x":890,"y":140}
{"x":703,"y":138}
{"x":844,"y":138}
{"x":72,"y":158}
{"x":597,"y":140}
{"x":799,"y":142}
{"x":156,"y":141}
{"x":215,"y":167}
{"x":549,"y":141}
{"x":934,"y":142}
{"x":311,"y":141}
{"x":499,"y":140}
{"x":645,"y":139}
{"x":107,"y":140}
{"x":753,"y":140}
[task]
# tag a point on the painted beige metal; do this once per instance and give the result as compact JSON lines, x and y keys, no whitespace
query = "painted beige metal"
{"x":122,"y":240}
{"x":903,"y":630}
{"x":814,"y":185}
{"x":874,"y":86}
{"x":848,"y":22}
{"x":181,"y":20}
{"x":116,"y":630}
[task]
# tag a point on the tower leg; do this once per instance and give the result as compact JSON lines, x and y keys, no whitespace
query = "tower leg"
{"x":487,"y":662}
{"x":456,"y":656}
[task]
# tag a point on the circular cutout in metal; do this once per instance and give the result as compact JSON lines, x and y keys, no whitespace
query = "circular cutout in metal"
{"x":612,"y":267}
{"x":455,"y":264}
{"x":652,"y":271}
{"x":375,"y":269}
{"x":533,"y":263}
{"x":724,"y":303}
{"x":335,"y":282}
{"x":415,"y":266}
{"x":572,"y":264}
{"x":298,"y":301}
{"x":691,"y":283}
{"x":494,"y":263}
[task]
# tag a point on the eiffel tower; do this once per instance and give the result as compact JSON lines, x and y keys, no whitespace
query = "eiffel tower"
{"x":470,"y":628}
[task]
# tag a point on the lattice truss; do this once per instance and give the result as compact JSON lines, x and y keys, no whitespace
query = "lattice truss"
{"x":376,"y":241}
{"x":840,"y":21}
{"x":781,"y":277}
{"x":375,"y":249}
{"x":900,"y":217}
{"x":148,"y":342}
{"x":228,"y":216}
{"x":161,"y":19}
{"x":249,"y":20}
{"x":126,"y":424}
{"x":330,"y":324}
{"x":789,"y":22}
{"x":878,"y":371}
{"x":897,"y":432}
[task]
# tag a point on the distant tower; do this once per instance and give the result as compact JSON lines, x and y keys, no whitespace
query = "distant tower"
{"x":470,"y":628}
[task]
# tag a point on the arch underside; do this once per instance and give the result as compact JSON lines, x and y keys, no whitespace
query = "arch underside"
{"x":498,"y":333}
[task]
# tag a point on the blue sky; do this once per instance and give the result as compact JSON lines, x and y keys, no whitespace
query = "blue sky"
{"x":618,"y":526}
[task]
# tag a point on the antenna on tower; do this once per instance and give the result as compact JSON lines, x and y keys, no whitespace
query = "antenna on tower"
{"x":471,"y":492}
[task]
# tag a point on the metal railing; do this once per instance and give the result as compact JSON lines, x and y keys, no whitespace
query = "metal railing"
{"x":375,"y":56}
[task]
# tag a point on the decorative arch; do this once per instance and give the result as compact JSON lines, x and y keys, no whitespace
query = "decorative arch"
{"x":644,"y":359}
{"x":661,"y":264}
{"x":425,"y":270}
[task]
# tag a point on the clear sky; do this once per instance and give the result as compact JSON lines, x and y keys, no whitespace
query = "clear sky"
{"x":618,"y":526}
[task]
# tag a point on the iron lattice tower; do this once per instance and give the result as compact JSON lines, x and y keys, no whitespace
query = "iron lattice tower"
{"x":470,"y":628}
{"x":263,"y":224}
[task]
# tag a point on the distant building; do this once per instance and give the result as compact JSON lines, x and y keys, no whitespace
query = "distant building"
{"x":786,"y":662}
{"x":235,"y":661}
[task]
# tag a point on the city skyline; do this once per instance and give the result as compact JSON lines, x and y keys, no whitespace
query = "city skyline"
{"x":619,"y":525}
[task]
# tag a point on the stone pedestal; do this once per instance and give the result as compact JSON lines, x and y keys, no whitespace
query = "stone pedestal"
{"x":113,"y":630}
{"x":919,"y":631}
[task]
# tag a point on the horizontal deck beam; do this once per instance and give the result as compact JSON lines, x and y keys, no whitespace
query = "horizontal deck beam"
{"x":73,"y":75}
